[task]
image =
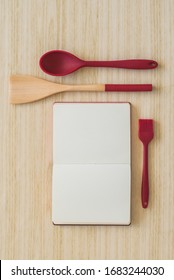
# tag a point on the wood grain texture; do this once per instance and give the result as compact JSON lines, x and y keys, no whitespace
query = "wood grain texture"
{"x":26,"y":88}
{"x":91,"y":29}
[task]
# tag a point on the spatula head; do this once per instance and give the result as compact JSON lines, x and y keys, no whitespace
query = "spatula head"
{"x":24,"y":89}
{"x":145,"y":132}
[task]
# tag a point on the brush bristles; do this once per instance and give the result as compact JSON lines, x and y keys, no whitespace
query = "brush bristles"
{"x":145,"y":124}
{"x":145,"y":132}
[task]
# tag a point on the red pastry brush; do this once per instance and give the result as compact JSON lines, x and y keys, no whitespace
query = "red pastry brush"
{"x":145,"y":134}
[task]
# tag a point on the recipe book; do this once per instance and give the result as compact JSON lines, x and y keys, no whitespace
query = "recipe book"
{"x":91,"y":181}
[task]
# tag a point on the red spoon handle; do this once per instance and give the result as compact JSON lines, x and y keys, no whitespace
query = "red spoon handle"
{"x":145,"y":180}
{"x":128,"y":87}
{"x":127,"y":64}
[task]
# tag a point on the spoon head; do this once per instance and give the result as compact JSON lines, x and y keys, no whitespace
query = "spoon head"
{"x":60,"y":63}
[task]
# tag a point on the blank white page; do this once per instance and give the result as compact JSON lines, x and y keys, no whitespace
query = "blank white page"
{"x":91,"y":133}
{"x":91,"y":163}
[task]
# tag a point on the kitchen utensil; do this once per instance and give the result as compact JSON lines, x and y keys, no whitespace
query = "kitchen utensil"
{"x":60,"y":63}
{"x":145,"y":135}
{"x":24,"y":89}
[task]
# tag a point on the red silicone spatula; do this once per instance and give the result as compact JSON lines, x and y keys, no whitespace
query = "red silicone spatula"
{"x":61,"y":63}
{"x":145,"y":134}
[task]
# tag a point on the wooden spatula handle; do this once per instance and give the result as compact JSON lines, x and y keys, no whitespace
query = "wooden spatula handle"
{"x":109,"y":87}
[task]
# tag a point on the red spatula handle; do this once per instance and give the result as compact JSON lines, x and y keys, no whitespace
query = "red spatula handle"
{"x":128,"y":87}
{"x":126,"y":64}
{"x":145,"y":180}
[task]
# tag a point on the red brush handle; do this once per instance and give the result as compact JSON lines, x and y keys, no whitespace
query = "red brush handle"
{"x":129,"y":87}
{"x":126,"y":64}
{"x":145,"y":180}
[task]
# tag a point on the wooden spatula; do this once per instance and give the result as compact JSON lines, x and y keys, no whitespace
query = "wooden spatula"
{"x":25,"y":89}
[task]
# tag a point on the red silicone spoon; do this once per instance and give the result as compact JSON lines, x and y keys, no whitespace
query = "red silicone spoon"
{"x":61,"y":63}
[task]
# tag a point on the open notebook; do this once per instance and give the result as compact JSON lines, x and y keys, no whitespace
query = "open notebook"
{"x":91,"y":163}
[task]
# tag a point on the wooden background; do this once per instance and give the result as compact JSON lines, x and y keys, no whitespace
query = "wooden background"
{"x":91,"y":29}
